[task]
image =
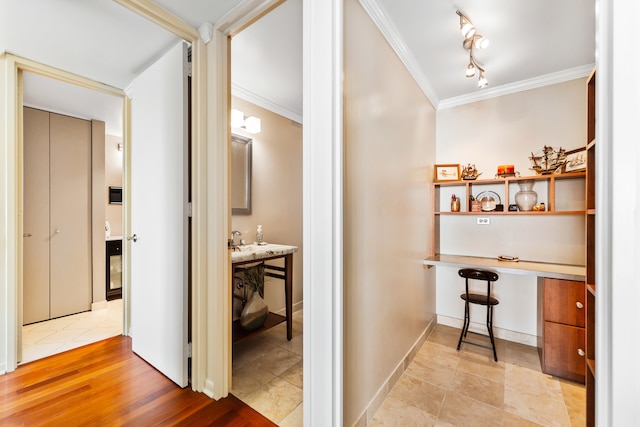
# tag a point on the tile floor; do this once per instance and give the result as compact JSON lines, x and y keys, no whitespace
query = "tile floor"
{"x":442,"y":387}
{"x":54,"y":336}
{"x":267,"y":373}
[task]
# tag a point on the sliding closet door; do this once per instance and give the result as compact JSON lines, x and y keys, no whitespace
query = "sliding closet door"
{"x":70,"y":215}
{"x":36,"y":216}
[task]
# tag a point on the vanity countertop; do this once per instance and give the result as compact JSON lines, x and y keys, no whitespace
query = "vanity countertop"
{"x":257,"y":252}
{"x":113,"y":238}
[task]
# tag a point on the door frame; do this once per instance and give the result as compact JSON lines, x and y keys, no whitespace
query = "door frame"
{"x":13,"y":67}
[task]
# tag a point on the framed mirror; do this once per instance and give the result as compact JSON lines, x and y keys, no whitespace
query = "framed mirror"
{"x":240,"y":175}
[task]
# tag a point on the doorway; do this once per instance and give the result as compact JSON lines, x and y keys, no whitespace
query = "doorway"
{"x":47,"y":327}
{"x":270,"y":361}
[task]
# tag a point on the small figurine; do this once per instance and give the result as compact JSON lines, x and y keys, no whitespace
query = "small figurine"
{"x":470,"y":172}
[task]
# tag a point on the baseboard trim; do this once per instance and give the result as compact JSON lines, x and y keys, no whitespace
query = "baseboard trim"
{"x":295,"y":307}
{"x":505,"y":334}
{"x":208,"y":389}
{"x":374,"y":404}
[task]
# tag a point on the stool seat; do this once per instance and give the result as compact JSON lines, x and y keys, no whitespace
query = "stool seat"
{"x":480,"y":299}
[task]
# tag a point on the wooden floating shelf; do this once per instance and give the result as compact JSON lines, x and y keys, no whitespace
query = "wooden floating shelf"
{"x":482,"y":213}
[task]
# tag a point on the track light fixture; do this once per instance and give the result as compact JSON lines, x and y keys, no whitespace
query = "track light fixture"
{"x":473,"y":40}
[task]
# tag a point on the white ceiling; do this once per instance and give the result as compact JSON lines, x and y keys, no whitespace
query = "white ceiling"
{"x":533,"y":43}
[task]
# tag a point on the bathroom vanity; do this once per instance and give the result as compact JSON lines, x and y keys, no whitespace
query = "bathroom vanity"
{"x":250,"y":254}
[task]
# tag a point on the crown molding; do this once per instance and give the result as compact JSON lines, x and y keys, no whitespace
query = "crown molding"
{"x":533,"y":83}
{"x":391,"y":34}
{"x":251,"y":97}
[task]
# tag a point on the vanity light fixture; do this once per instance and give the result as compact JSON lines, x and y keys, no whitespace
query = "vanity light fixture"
{"x":240,"y":121}
{"x":473,"y":40}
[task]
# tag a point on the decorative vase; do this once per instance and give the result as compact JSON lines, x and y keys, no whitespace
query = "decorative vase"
{"x":526,"y":198}
{"x":254,"y":313}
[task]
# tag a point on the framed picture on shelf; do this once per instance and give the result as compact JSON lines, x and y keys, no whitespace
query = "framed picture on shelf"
{"x":576,"y":160}
{"x":443,"y":173}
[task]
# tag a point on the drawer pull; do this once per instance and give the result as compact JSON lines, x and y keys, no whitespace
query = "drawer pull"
{"x":581,"y":352}
{"x":579,"y":304}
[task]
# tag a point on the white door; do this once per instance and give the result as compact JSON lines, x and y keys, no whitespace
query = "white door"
{"x":158,"y":243}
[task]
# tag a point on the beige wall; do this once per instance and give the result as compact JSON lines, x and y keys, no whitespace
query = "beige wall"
{"x":276,"y":200}
{"x":505,"y":130}
{"x":113,"y":178}
{"x":389,"y":149}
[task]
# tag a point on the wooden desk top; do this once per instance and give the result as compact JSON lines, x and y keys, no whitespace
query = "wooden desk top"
{"x":543,"y":269}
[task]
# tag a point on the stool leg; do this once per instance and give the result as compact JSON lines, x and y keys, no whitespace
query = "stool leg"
{"x":465,"y":325}
{"x":490,"y":329}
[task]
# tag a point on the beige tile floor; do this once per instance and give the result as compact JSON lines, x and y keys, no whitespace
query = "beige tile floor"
{"x":54,"y":336}
{"x":442,"y":387}
{"x":267,"y":373}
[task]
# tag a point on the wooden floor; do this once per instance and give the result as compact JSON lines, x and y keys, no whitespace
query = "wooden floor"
{"x":106,"y":384}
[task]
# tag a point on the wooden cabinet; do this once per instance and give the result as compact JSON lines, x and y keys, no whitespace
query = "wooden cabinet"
{"x":113,"y":269}
{"x":563,"y":349}
{"x":590,"y":237}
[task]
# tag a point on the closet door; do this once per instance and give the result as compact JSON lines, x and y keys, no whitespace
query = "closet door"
{"x":36,"y":216}
{"x":70,"y":215}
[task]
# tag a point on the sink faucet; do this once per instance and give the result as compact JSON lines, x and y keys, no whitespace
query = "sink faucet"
{"x":234,"y":233}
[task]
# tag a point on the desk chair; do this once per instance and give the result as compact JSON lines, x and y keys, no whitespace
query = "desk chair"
{"x":480,"y":299}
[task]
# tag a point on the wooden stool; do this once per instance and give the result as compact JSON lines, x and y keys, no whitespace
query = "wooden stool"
{"x":480,"y":299}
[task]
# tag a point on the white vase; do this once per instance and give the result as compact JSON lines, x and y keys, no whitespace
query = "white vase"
{"x":526,"y":198}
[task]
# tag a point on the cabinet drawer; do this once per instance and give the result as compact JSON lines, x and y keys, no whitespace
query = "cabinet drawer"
{"x":564,"y":302}
{"x":563,"y":351}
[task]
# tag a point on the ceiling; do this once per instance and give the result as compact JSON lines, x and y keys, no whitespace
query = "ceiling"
{"x":533,"y":43}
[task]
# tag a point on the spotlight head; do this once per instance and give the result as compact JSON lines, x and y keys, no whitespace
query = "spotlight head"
{"x":480,"y":42}
{"x":466,"y":27}
{"x":482,"y":81}
{"x":471,"y":70}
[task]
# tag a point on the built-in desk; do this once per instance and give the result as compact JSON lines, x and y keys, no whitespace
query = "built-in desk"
{"x":560,"y":308}
{"x":250,"y":254}
{"x":541,"y":269}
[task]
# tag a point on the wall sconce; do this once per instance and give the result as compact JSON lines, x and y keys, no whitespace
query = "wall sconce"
{"x":240,"y":121}
{"x":473,"y":40}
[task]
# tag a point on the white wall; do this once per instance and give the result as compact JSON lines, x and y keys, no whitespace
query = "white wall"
{"x":505,"y":130}
{"x":389,"y":298}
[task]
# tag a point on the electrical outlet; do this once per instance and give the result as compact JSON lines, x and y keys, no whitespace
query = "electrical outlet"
{"x":483,"y":221}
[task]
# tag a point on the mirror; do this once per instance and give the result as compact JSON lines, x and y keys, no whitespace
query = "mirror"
{"x":240,"y":175}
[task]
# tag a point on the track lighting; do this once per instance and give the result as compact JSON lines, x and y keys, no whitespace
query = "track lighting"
{"x":473,"y":40}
